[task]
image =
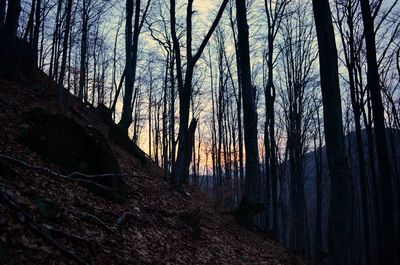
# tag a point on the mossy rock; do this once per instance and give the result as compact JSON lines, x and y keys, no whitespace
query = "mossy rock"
{"x":60,"y":140}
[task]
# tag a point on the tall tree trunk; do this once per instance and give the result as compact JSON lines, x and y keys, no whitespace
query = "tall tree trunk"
{"x":384,"y":180}
{"x":172,"y":110}
{"x":251,"y":194}
{"x":340,"y":210}
{"x":2,"y":13}
{"x":239,"y":103}
{"x":350,"y":59}
{"x":36,"y":31}
{"x":55,"y":40}
{"x":319,"y":191}
{"x":65,"y":51}
{"x":275,"y":11}
{"x":9,"y":34}
{"x":181,"y":168}
{"x":29,"y":26}
{"x":8,"y":38}
{"x":165,"y":121}
{"x":84,"y":36}
{"x":131,"y":62}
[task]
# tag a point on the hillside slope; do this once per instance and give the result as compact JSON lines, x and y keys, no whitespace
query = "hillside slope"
{"x":50,"y":216}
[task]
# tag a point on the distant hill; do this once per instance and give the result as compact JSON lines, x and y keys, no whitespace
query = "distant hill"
{"x":310,"y":182}
{"x":351,"y":148}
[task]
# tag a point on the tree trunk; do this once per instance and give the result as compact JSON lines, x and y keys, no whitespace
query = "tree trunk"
{"x":319,"y":191}
{"x":36,"y":30}
{"x":340,"y":211}
{"x":9,"y":34}
{"x":84,"y":36}
{"x":29,"y":26}
{"x":251,"y":194}
{"x":64,"y":52}
{"x":8,"y":38}
{"x":2,"y":13}
{"x":165,"y":121}
{"x":54,"y":44}
{"x":185,"y":84}
{"x":384,"y":180}
{"x":131,"y":62}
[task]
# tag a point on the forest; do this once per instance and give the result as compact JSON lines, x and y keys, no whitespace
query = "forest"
{"x":283,"y":113}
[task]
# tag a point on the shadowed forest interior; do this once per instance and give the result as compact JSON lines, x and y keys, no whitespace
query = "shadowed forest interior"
{"x":282,"y":115}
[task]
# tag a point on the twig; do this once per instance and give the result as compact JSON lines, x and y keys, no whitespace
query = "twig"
{"x":102,"y":187}
{"x":98,"y":220}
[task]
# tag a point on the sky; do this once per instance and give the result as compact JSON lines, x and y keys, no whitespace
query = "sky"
{"x":205,"y":11}
{"x":204,"y":6}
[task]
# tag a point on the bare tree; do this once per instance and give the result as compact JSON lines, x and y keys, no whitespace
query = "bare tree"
{"x":64,"y":51}
{"x":132,"y":43}
{"x":9,"y":33}
{"x":181,"y":168}
{"x":250,"y":202}
{"x":3,"y":5}
{"x":275,"y":11}
{"x":383,"y":182}
{"x":298,"y":54}
{"x":340,"y":211}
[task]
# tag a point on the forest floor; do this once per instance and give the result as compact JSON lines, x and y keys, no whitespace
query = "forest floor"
{"x":47,"y":218}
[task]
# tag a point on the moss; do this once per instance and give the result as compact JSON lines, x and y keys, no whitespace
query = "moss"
{"x":60,"y":140}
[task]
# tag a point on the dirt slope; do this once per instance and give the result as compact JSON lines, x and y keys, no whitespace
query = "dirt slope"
{"x":46,"y":218}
